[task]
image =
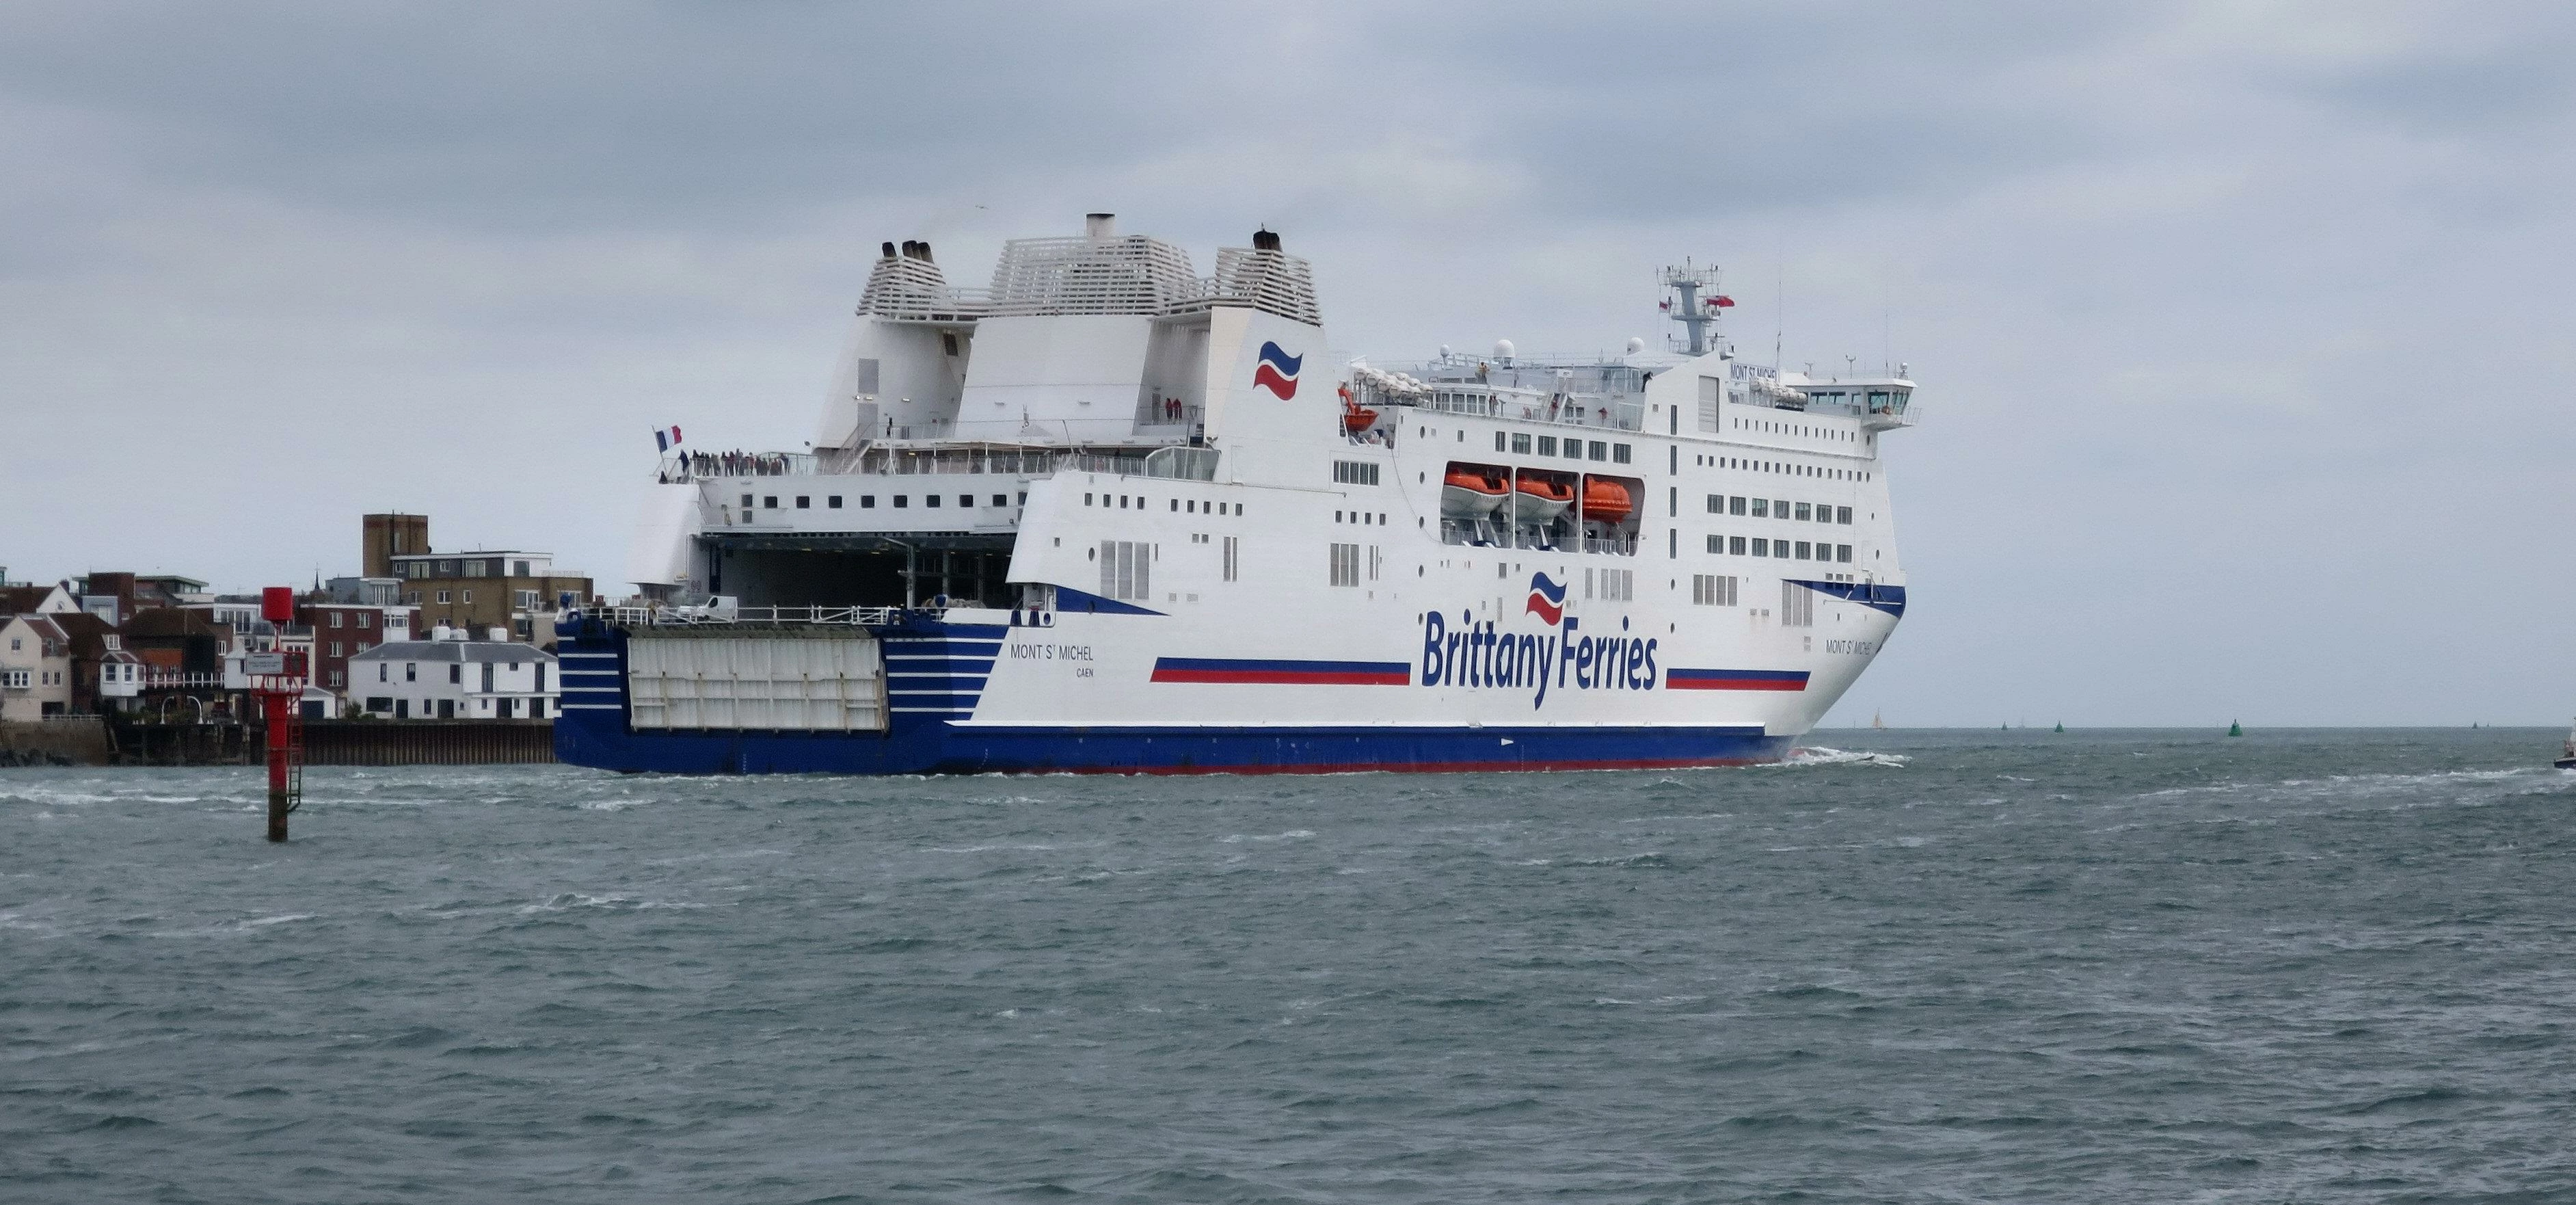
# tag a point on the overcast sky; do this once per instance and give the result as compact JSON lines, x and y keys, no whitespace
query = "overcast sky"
{"x":2242,"y":329}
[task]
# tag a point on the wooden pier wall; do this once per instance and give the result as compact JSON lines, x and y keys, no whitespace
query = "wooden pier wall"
{"x":342,"y":743}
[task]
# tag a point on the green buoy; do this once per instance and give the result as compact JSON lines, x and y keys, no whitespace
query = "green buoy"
{"x":2235,"y":729}
{"x":2061,"y":727}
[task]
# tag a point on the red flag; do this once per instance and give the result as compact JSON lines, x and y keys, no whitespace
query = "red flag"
{"x":1722,"y":301}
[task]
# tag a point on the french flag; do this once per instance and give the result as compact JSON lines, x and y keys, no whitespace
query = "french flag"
{"x":666,"y":438}
{"x":1546,"y":599}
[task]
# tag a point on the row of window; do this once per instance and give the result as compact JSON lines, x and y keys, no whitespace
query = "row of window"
{"x":470,"y":567}
{"x":1778,"y":508}
{"x":869,"y":501}
{"x":1713,"y":589}
{"x":455,"y":673}
{"x":366,"y":619}
{"x":445,"y":709}
{"x":1779,"y":549}
{"x":1355,"y":472}
{"x":1180,"y":506}
{"x":1575,"y":449}
{"x":20,"y":679}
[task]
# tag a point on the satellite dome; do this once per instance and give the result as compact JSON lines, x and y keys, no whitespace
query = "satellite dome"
{"x":1444,"y":351}
{"x":1502,"y":349}
{"x":1635,"y":345}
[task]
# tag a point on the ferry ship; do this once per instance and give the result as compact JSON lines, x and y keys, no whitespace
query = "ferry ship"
{"x":1107,"y":515}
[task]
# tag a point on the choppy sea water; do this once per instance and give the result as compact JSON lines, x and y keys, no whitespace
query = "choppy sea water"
{"x":2136,"y":966}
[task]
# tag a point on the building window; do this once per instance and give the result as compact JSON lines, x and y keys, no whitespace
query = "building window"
{"x":443,"y":598}
{"x":335,"y":619}
{"x":518,"y":569}
{"x":469,"y":598}
{"x":411,"y":671}
{"x":335,"y":648}
{"x":1346,"y":564}
{"x":456,"y":674}
{"x":337,"y":679}
{"x":365,"y":621}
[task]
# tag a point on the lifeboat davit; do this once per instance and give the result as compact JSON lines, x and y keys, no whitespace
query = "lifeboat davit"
{"x":1470,"y":493}
{"x":1542,"y":499}
{"x":1606,"y":501}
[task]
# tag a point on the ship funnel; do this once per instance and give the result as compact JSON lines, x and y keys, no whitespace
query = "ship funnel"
{"x":885,"y":250}
{"x":1100,"y":225}
{"x":1264,"y":240}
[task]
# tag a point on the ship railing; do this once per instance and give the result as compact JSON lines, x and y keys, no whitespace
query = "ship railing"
{"x":1587,"y":410}
{"x":740,"y":616}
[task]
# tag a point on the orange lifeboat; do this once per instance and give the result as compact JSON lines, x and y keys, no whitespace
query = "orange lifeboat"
{"x":1606,"y":501}
{"x":1542,"y":499}
{"x":1470,"y":492}
{"x":1357,"y":418}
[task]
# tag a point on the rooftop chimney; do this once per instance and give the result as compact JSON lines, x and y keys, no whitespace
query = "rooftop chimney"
{"x":1100,"y":225}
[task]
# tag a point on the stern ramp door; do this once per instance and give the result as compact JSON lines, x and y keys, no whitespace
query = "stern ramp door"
{"x":819,"y":682}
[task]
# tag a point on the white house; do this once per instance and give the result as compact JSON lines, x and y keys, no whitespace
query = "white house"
{"x":35,"y":668}
{"x":449,"y":677}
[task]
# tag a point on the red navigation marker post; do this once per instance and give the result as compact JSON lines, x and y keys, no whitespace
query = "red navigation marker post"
{"x":278,"y":678}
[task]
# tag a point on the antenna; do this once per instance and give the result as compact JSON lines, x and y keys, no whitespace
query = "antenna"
{"x":1779,"y":318}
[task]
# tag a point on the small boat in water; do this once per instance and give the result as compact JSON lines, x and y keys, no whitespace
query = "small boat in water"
{"x":2567,"y":752}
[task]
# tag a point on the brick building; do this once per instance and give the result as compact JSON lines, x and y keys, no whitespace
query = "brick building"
{"x":513,"y":590}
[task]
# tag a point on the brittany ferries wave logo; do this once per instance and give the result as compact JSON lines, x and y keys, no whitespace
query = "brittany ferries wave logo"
{"x":1277,"y":372}
{"x":1546,"y":599}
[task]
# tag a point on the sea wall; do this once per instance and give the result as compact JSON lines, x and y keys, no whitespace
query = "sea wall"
{"x":76,"y":741}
